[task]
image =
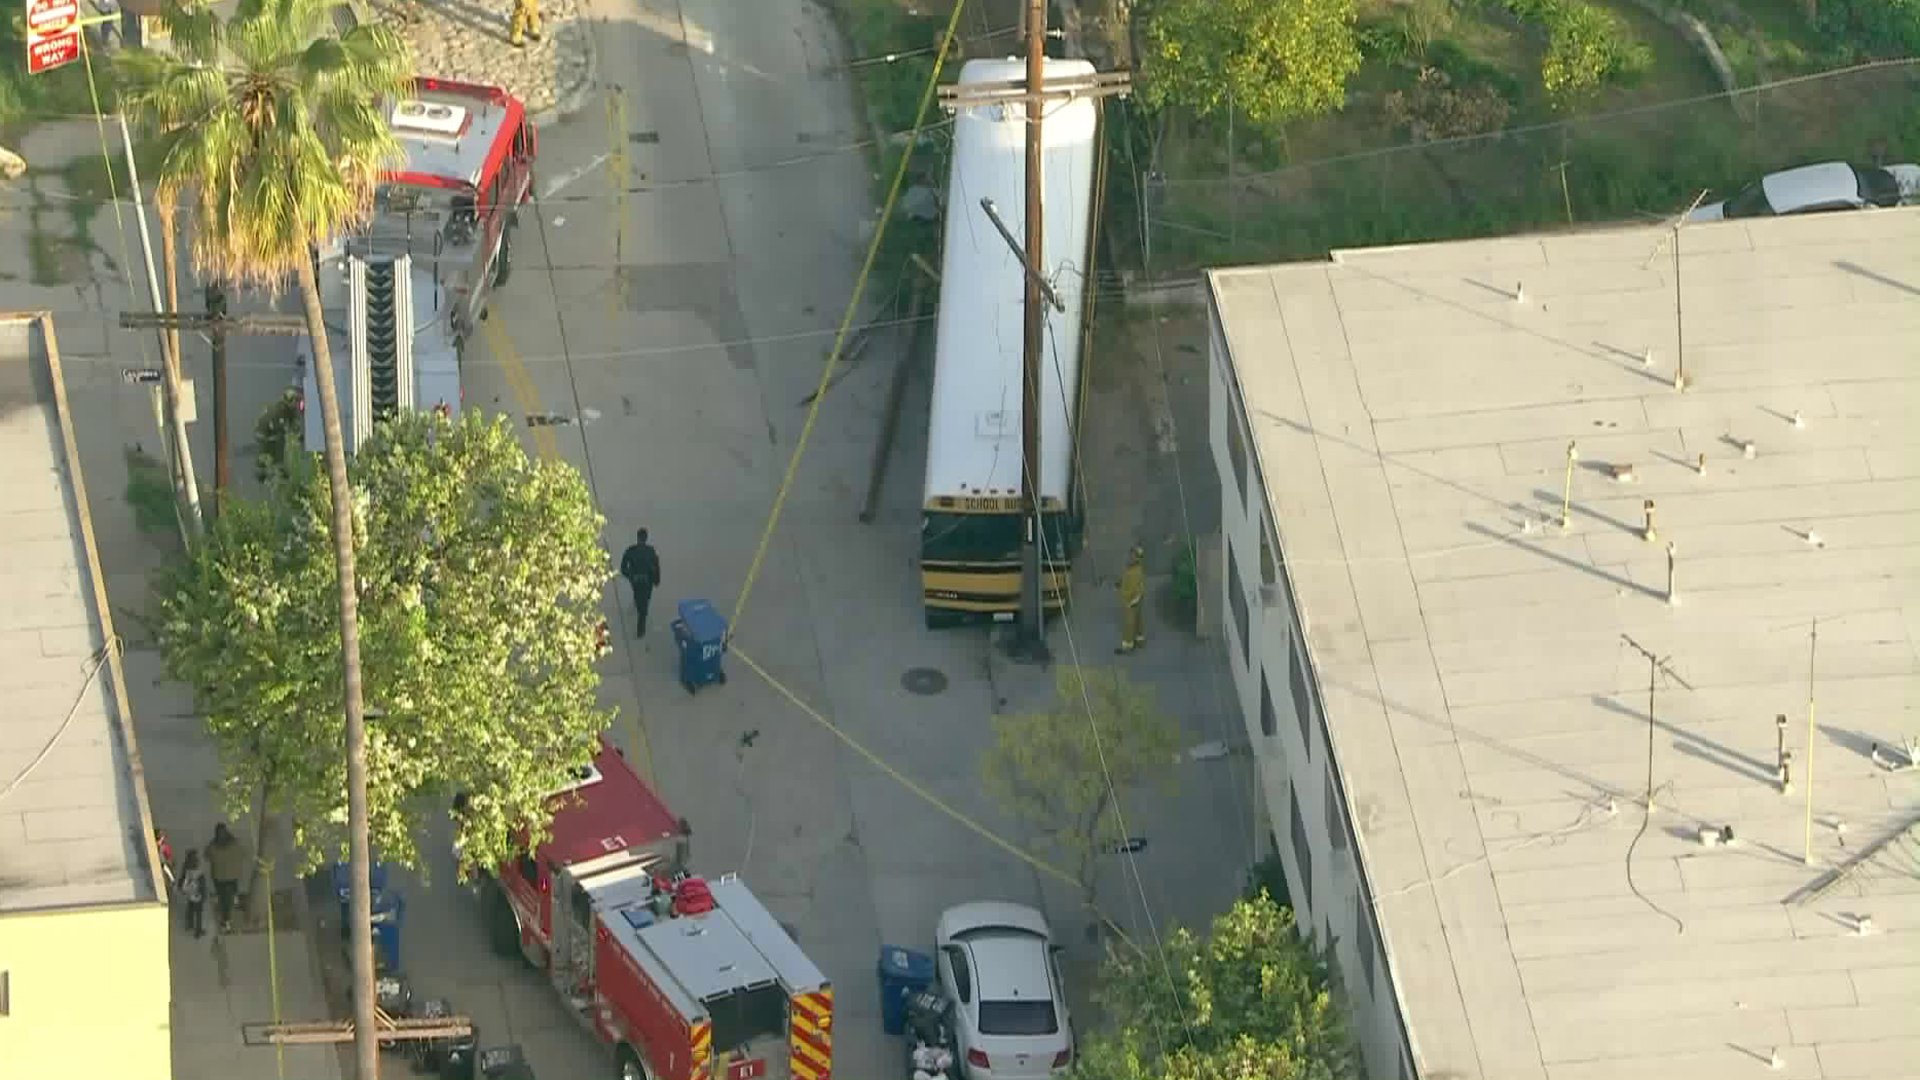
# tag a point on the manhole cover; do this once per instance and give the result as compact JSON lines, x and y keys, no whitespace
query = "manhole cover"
{"x":924,"y":680}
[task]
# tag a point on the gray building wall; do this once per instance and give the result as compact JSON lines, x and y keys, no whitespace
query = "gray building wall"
{"x":1306,"y":810}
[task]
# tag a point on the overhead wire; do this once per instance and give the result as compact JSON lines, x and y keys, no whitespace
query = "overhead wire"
{"x":651,"y":186}
{"x":926,"y":795}
{"x":846,"y":323}
{"x":92,"y":671}
{"x":1032,"y":478}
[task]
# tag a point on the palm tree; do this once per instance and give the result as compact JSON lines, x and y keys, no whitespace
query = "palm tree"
{"x":271,"y":124}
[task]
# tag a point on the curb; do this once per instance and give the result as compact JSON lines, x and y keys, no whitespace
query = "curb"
{"x":573,"y":99}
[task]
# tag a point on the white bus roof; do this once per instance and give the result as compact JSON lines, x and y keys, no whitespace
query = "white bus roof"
{"x":973,"y":438}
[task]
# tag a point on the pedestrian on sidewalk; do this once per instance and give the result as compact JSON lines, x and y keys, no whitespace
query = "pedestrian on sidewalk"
{"x":640,"y":565}
{"x":526,"y":23}
{"x":1133,"y":593}
{"x":193,"y":889}
{"x":226,"y":862}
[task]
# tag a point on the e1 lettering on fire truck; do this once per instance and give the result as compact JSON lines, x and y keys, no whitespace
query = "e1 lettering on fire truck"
{"x":404,"y":293}
{"x":685,"y":977}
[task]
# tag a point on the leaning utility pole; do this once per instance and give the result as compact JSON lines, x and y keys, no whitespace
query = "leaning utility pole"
{"x":1030,"y":639}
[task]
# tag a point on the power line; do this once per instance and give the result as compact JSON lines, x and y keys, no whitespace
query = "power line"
{"x":1028,"y":467}
{"x":1548,"y":125}
{"x":651,"y":186}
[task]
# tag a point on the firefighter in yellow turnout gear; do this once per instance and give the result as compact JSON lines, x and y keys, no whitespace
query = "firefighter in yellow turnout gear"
{"x":1133,"y":594}
{"x":526,"y":22}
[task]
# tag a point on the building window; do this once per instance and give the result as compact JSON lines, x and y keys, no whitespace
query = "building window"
{"x":1269,"y":564}
{"x":1237,"y":599}
{"x":6,"y":993}
{"x":1302,"y":853}
{"x":1336,"y":816}
{"x":1302,"y":700}
{"x":1237,"y":446}
{"x":1363,"y":944}
{"x":1268,"y":724}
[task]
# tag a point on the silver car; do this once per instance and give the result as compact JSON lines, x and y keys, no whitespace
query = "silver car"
{"x":996,"y":963}
{"x":1833,"y":185}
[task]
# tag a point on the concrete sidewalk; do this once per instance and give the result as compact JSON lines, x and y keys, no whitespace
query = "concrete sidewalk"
{"x":73,"y":264}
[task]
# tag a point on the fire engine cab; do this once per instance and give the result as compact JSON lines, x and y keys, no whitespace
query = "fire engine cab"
{"x":403,"y":294}
{"x":687,"y":978}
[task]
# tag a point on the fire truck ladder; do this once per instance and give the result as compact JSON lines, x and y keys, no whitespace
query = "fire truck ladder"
{"x":381,"y":315}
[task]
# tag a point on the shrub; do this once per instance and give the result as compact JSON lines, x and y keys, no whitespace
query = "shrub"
{"x":1436,"y":109}
{"x":1587,"y":47}
{"x":1870,"y":28}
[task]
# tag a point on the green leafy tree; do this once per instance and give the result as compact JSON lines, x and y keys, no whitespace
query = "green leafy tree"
{"x":1058,"y":771}
{"x":1587,"y":48}
{"x":274,"y":122}
{"x":1248,"y":1002}
{"x":1272,"y":60}
{"x":481,"y":574}
{"x":275,"y":434}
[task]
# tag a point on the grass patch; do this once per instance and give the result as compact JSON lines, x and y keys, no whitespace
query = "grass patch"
{"x":891,"y":92}
{"x":1644,"y":166}
{"x":150,"y":494}
{"x":1629,"y":151}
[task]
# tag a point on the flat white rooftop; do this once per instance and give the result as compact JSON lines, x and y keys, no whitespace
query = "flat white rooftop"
{"x":71,"y":832}
{"x":1411,"y":410}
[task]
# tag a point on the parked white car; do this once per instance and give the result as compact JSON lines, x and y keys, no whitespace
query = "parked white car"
{"x":1832,"y":185}
{"x":996,"y":963}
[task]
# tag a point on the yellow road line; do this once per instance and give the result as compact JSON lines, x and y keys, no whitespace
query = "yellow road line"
{"x":617,"y":176}
{"x":528,"y":398}
{"x":522,"y":386}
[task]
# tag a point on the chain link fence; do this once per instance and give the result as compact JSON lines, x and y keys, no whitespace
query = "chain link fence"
{"x":1643,"y":164}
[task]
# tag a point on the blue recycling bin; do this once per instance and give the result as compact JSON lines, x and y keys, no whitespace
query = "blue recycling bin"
{"x":343,"y":884}
{"x":700,"y":634}
{"x":389,"y":912}
{"x":903,"y":972}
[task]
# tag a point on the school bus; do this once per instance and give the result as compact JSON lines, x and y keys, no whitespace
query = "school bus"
{"x":973,"y":522}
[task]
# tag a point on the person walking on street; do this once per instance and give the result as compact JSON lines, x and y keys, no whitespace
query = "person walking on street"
{"x":640,"y":565}
{"x":1133,"y":592}
{"x":526,"y":23}
{"x":226,"y":862}
{"x":193,"y":889}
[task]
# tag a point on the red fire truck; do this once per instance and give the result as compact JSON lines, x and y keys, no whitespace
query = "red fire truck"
{"x":404,"y":294}
{"x":686,"y":978}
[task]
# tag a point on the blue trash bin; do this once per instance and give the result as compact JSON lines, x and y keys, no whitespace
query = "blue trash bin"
{"x":903,"y":972}
{"x":343,"y":885}
{"x":389,"y":912}
{"x":700,"y":634}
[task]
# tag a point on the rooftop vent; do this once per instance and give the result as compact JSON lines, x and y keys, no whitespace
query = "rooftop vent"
{"x":429,"y":116}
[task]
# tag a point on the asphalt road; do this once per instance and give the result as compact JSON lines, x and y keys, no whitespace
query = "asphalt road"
{"x":680,"y":326}
{"x":674,"y":296}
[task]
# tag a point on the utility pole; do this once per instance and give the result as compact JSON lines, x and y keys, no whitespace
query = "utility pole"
{"x":217,"y":324}
{"x":222,"y":464}
{"x":1030,"y":639}
{"x":184,"y":480}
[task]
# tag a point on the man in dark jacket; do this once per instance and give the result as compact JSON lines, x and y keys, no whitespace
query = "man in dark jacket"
{"x":640,"y":565}
{"x":226,"y":865}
